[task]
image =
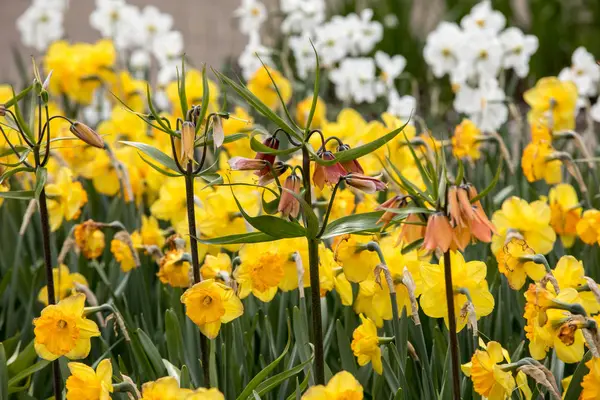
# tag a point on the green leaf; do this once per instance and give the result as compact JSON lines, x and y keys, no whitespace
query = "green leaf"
{"x":357,"y":152}
{"x":184,"y":377}
{"x":27,"y":372}
{"x":18,"y":195}
{"x":412,"y":246}
{"x":41,"y":176}
{"x":7,"y":174}
{"x":492,"y":184}
{"x":154,"y":153}
{"x":205,"y":99}
{"x":281,"y":99}
{"x":3,"y":374}
{"x":152,"y":353}
{"x":278,"y":379}
{"x":574,"y":389}
{"x":315,"y":98}
{"x":159,"y":169}
{"x":344,"y":348}
{"x":257,"y":104}
{"x":300,"y":388}
{"x":18,"y":97}
{"x":181,"y":85}
{"x":262,"y":375}
{"x":366,"y":222}
{"x":242,"y":238}
{"x":153,"y":111}
{"x":261,"y":148}
{"x":174,"y":337}
{"x":276,"y":227}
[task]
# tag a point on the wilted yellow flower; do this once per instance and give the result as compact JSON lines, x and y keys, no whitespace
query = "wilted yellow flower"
{"x":591,"y":381}
{"x":515,"y":269}
{"x":262,"y":87}
{"x":260,"y":271}
{"x":489,"y":380}
{"x":122,"y":252}
{"x":565,"y":212}
{"x":537,"y":165}
{"x":342,"y":386}
{"x":303,"y":110}
{"x":588,"y":227}
{"x":165,"y":388}
{"x":64,"y":283}
{"x":65,"y":198}
{"x":468,"y":275}
{"x":63,"y":330}
{"x":209,"y":304}
{"x":358,"y":263}
{"x":173,"y":269}
{"x":530,"y":220}
{"x":553,"y":102}
{"x":365,"y":345}
{"x":206,"y":394}
{"x":89,"y":239}
{"x":85,"y":383}
{"x":466,"y":140}
{"x":214,"y":266}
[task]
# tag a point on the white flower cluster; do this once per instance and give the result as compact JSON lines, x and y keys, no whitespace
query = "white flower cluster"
{"x":42,"y":23}
{"x":252,"y":14}
{"x":142,"y":33}
{"x":473,"y":55}
{"x":585,"y":73}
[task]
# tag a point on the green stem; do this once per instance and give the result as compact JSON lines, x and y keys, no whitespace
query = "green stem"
{"x":315,"y":291}
{"x":125,"y":387}
{"x":329,"y":207}
{"x":452,"y":326}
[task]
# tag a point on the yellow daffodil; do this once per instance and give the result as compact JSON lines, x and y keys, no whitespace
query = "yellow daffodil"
{"x":238,"y":122}
{"x":342,"y":386}
{"x":65,"y":198}
{"x":537,"y":163}
{"x":466,"y":140}
{"x":165,"y":388}
{"x":101,"y":171}
{"x":540,"y":133}
{"x":514,"y":268}
{"x":303,"y":110}
{"x":85,"y":383}
{"x":569,"y":273}
{"x":588,"y":227}
{"x":565,"y":212}
{"x":89,"y":239}
{"x":489,"y":379}
{"x":63,"y":330}
{"x":194,"y":92}
{"x":209,"y":304}
{"x":343,"y":288}
{"x":151,"y":234}
{"x":216,"y":267}
{"x":262,"y":87}
{"x":591,"y":381}
{"x":358,"y":263}
{"x":467,"y":275}
{"x":365,"y":345}
{"x":260,"y":271}
{"x":529,"y":220}
{"x":171,"y":203}
{"x":553,"y":102}
{"x":174,"y":270}
{"x":64,"y":284}
{"x":122,"y":252}
{"x":206,"y":394}
{"x":130,"y":91}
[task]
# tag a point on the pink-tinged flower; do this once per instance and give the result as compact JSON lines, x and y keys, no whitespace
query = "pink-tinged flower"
{"x":273,"y":143}
{"x":398,"y":201}
{"x":365,"y":183}
{"x":352,"y":166}
{"x":481,"y":227}
{"x":278,"y":168}
{"x":288,"y":204}
{"x":438,"y":234}
{"x":247,"y":164}
{"x":328,"y":174}
{"x":412,"y":229}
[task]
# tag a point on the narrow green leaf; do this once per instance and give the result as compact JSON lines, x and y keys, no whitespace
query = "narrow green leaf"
{"x":574,"y":389}
{"x":159,"y":169}
{"x":412,"y":246}
{"x":152,"y":353}
{"x":315,"y":98}
{"x":205,"y":99}
{"x":153,"y":111}
{"x":41,"y":176}
{"x":242,"y":238}
{"x":281,"y":99}
{"x":174,"y":337}
{"x":38,"y":366}
{"x":7,"y":174}
{"x":3,"y":374}
{"x":18,"y":97}
{"x":492,"y":184}
{"x":261,"y":148}
{"x":366,"y":222}
{"x":18,"y":194}
{"x":346,"y":356}
{"x":301,"y":387}
{"x":154,"y":153}
{"x":274,"y":381}
{"x":182,"y":92}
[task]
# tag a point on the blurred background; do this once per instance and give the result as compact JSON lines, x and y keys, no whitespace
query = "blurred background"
{"x":211,"y":35}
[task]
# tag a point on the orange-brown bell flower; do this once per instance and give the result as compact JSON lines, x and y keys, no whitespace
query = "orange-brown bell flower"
{"x":328,"y":174}
{"x":288,"y":204}
{"x":438,"y":234}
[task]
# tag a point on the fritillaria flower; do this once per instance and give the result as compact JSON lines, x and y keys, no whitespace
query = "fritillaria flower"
{"x":438,"y":234}
{"x":365,"y":183}
{"x":328,"y":174}
{"x":288,"y":204}
{"x":352,"y":165}
{"x":273,"y":143}
{"x":247,"y":164}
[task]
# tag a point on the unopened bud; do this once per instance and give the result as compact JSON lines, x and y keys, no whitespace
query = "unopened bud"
{"x":46,"y":83}
{"x":2,"y":110}
{"x":218,"y":133}
{"x":188,"y":136}
{"x":87,"y":134}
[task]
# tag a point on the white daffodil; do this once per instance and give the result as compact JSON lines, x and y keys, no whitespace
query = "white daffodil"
{"x":302,"y":16}
{"x":168,"y":48}
{"x":40,"y":25}
{"x":402,"y":107}
{"x":304,"y":54}
{"x":484,"y":105}
{"x":355,"y":80}
{"x":483,"y":18}
{"x":483,"y":52}
{"x":139,"y":60}
{"x":364,"y":32}
{"x":249,"y":60}
{"x":391,"y":67}
{"x":518,"y":49}
{"x":153,"y":24}
{"x":252,"y":14}
{"x":584,"y":72}
{"x":110,"y":17}
{"x":443,"y":48}
{"x":331,"y":42}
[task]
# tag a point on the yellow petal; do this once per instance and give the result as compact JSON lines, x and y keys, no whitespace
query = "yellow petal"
{"x":211,"y":329}
{"x":81,"y":350}
{"x":43,"y":352}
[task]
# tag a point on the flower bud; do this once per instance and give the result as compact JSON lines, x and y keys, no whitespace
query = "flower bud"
{"x":397,"y":201}
{"x":288,"y":204}
{"x":246,"y":164}
{"x":277,"y":169}
{"x":273,"y":143}
{"x":87,"y":134}
{"x":365,"y":183}
{"x":188,"y":136}
{"x":218,"y":132}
